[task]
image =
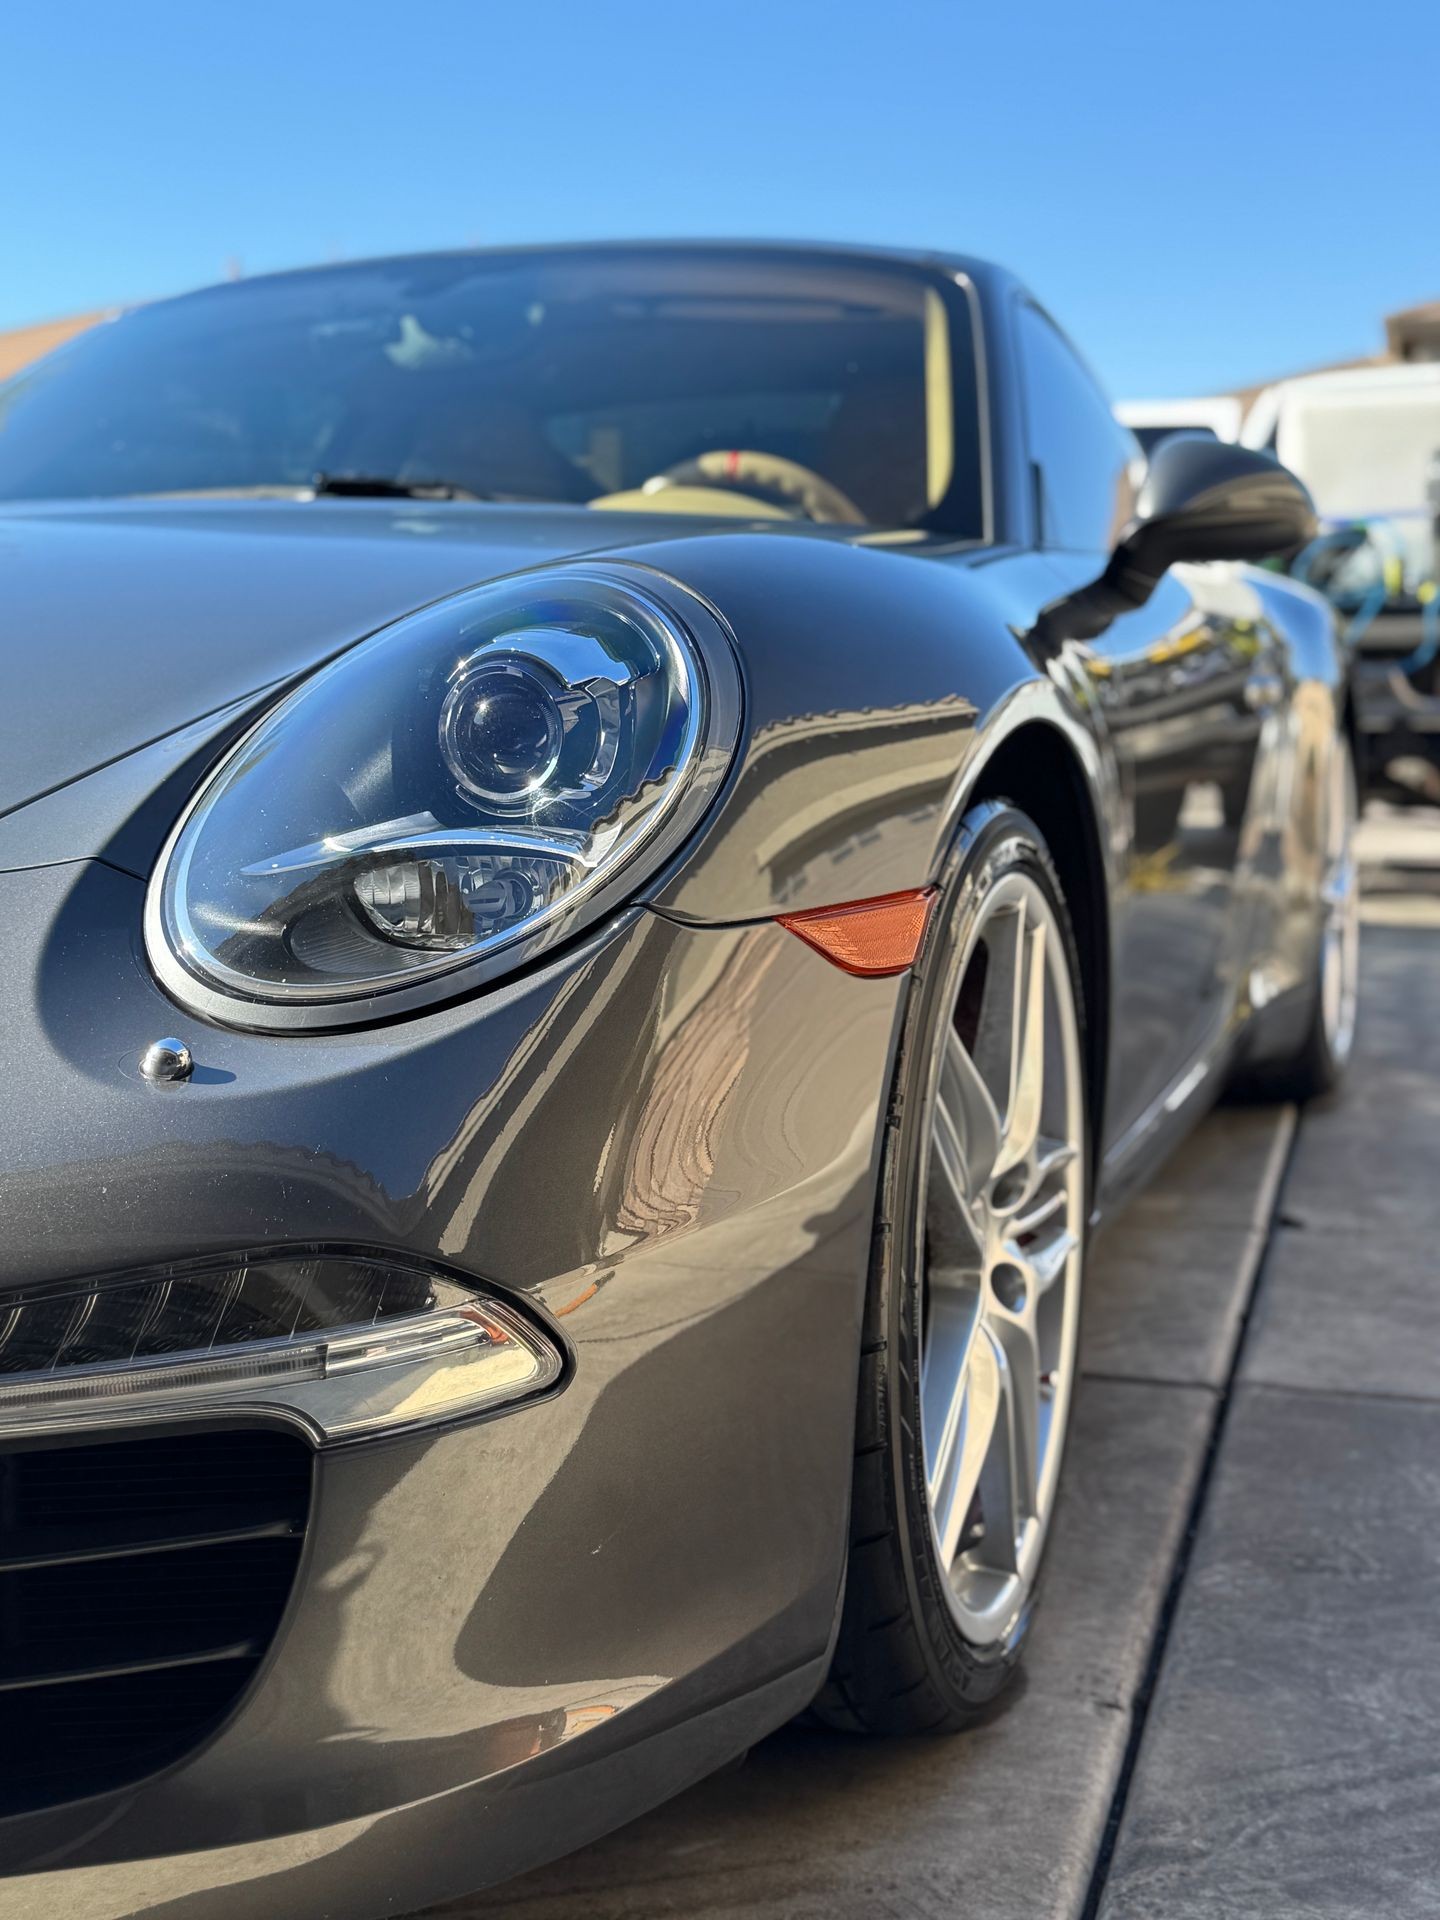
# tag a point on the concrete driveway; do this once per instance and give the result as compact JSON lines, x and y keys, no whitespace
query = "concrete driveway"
{"x":1232,"y":1703}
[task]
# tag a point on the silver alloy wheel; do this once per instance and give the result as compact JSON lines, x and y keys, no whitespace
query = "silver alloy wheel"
{"x":1340,"y":954}
{"x":1000,"y":1237}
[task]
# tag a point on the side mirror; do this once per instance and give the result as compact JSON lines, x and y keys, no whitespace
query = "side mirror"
{"x":1207,"y":499}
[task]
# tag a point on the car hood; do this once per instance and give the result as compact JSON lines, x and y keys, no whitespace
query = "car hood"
{"x":125,"y":622}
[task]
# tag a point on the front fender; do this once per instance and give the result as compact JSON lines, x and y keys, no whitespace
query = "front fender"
{"x":876,"y":687}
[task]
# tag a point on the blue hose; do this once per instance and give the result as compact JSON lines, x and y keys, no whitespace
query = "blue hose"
{"x":1363,"y":608}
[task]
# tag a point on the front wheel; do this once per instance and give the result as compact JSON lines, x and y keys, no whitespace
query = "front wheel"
{"x":972,"y":1314}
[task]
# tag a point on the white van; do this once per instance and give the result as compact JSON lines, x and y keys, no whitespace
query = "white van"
{"x":1365,"y":440}
{"x":1150,"y":420}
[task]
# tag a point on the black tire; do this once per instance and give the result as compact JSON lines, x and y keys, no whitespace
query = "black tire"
{"x":1307,"y":1074}
{"x":901,"y":1664}
{"x":1318,"y":1064}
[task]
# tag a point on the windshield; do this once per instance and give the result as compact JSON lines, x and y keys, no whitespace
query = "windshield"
{"x":580,"y":378}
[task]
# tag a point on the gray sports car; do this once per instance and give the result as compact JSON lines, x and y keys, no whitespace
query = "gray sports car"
{"x":609,"y":857}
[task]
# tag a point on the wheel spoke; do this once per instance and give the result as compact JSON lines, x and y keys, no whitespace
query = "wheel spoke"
{"x":997,"y":1027}
{"x":1051,"y":1156}
{"x":1032,"y":1218}
{"x":1027,"y":1083}
{"x":967,"y":1125}
{"x":1010,"y":1475}
{"x":952,"y":1316}
{"x":1047,"y":1261}
{"x":972,"y":1437}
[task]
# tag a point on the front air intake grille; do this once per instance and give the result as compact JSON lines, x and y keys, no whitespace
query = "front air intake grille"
{"x":141,"y":1582}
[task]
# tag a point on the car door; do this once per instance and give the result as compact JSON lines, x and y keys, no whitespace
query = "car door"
{"x":1180,"y":686}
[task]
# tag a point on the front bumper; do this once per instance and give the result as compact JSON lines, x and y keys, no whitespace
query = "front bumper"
{"x":511,"y":1634}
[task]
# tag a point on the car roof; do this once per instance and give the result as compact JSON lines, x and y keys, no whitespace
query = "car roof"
{"x":912,"y":258}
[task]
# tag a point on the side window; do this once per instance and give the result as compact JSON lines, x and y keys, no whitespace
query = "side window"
{"x":1081,"y":453}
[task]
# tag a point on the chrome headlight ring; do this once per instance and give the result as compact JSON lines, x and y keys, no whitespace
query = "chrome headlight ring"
{"x":447,"y":801}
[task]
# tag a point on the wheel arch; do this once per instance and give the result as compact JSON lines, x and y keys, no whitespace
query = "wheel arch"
{"x":1036,"y":768}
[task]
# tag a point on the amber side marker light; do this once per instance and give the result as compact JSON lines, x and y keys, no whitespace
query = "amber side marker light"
{"x":868,"y":937}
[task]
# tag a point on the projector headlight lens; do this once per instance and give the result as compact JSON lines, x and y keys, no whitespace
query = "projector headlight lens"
{"x":501,"y":729}
{"x":460,"y":791}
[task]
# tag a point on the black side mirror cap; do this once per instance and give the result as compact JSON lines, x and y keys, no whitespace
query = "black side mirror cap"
{"x":1207,"y":499}
{"x":1202,"y":499}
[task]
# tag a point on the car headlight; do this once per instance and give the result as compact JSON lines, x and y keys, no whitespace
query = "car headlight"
{"x":448,"y":798}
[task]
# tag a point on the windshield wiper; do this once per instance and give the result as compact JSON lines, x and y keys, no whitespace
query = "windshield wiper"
{"x":381,"y":486}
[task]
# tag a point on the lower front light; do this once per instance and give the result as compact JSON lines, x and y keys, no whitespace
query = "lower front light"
{"x":346,"y":1343}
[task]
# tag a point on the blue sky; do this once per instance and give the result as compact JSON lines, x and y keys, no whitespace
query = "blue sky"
{"x":1205,"y":193}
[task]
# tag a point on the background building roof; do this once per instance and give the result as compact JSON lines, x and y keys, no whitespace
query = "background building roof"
{"x":25,"y":344}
